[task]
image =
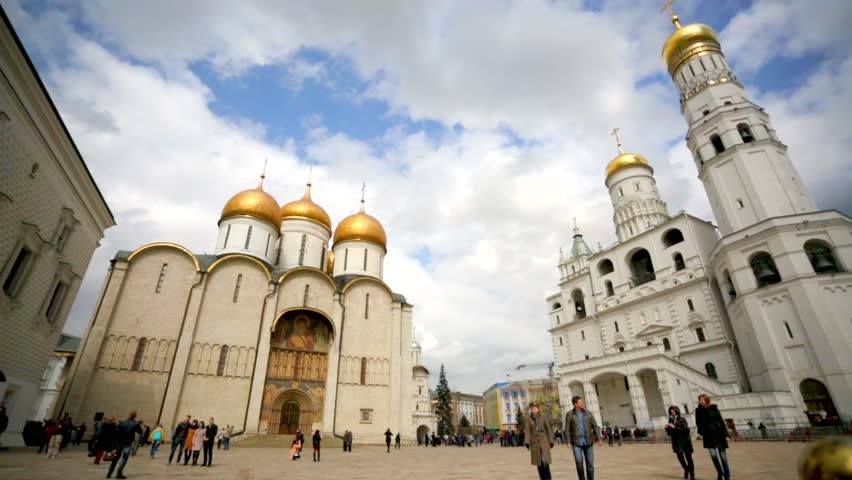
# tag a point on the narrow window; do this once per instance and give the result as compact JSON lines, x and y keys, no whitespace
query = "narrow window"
{"x":679,"y":263}
{"x":140,"y":353}
{"x":582,"y":335}
{"x":248,"y":237}
{"x":367,"y":306}
{"x":789,"y":332}
{"x":699,"y":332}
{"x":690,"y":305}
{"x":227,"y":234}
{"x":223,"y":359}
{"x":620,"y":192}
{"x":609,"y":290}
{"x":560,"y":341}
{"x":713,"y":61}
{"x":322,"y":256}
{"x":620,"y":349}
{"x":365,"y":259}
{"x":237,"y":287}
{"x":16,"y":273}
{"x":302,"y":249}
{"x":716,"y":140}
{"x":691,"y":70}
{"x":682,"y":76}
{"x":557,"y":319}
{"x":740,"y":203}
{"x":626,"y":384}
{"x":701,"y":61}
{"x":305,"y":297}
{"x":363,"y":371}
{"x":667,"y":346}
{"x":711,"y":370}
{"x":268,"y":238}
{"x":636,"y":185}
{"x":345,"y":258}
{"x":616,"y":326}
{"x":55,"y":303}
{"x":162,"y":277}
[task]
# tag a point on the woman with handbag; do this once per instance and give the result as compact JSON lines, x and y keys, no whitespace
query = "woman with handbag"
{"x":107,"y":441}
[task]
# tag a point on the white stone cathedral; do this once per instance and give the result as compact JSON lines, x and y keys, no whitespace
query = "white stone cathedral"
{"x":272,"y":333}
{"x":755,"y":313}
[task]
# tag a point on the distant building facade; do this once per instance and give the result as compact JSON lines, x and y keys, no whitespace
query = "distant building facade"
{"x":52,"y":218}
{"x":465,"y":405}
{"x":55,"y":375}
{"x":502,"y":401}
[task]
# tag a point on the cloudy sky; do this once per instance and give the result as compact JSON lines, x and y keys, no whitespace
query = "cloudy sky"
{"x":480,"y":127}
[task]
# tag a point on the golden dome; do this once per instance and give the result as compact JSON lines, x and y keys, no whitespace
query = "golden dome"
{"x":626,"y":160}
{"x":687,"y":42}
{"x":306,"y":208}
{"x":361,"y":227}
{"x":329,"y":263}
{"x":253,"y":203}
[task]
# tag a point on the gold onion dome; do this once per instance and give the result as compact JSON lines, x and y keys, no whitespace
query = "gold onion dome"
{"x":253,"y":203}
{"x":627,"y":160}
{"x":687,"y":42}
{"x":306,"y":208}
{"x":361,"y":226}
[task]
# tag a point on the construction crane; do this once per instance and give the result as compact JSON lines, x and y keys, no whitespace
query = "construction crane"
{"x":549,"y":366}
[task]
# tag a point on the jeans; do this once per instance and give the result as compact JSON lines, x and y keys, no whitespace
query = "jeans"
{"x":154,"y":447}
{"x":720,"y":461}
{"x":587,"y":452}
{"x":685,"y":459}
{"x":227,"y":443}
{"x":177,"y":444}
{"x":121,"y":458}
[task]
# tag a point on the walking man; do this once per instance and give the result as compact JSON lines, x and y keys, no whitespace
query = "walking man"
{"x":539,"y":440}
{"x":388,"y":436}
{"x":396,"y":441}
{"x":582,"y":432}
{"x":207,"y":447}
{"x":179,"y":439}
{"x":127,"y":431}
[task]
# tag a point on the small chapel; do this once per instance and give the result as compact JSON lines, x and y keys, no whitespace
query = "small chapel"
{"x":288,"y":326}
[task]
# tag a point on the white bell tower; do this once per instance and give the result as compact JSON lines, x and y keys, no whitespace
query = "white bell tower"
{"x":740,"y":159}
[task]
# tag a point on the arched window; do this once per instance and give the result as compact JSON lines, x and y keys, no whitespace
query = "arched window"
{"x":690,"y":305}
{"x":716,"y":140}
{"x":745,"y":133}
{"x":579,"y":304}
{"x":140,"y":354}
{"x":672,"y":237}
{"x":605,"y":267}
{"x":649,"y":344}
{"x":765,"y":271}
{"x":609,"y":290}
{"x":667,"y":345}
{"x":711,"y":370}
{"x":557,"y":306}
{"x":821,"y":256}
{"x":223,"y":358}
{"x":642,"y":267}
{"x":678,"y":262}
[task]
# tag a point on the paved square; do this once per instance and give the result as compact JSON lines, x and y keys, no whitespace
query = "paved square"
{"x":770,"y":461}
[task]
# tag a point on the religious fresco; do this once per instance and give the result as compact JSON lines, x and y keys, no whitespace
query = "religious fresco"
{"x":303,"y":333}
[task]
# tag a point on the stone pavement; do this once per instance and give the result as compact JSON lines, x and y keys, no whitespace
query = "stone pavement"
{"x":754,"y":461}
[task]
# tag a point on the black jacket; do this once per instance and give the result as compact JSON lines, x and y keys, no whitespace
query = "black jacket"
{"x":711,"y":426}
{"x":107,"y":438}
{"x":212,"y":430}
{"x":679,"y":434}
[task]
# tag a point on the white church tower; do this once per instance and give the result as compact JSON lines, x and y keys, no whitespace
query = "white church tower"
{"x":781,"y":264}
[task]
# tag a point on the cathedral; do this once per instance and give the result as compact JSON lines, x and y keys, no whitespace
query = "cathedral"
{"x":285,"y":327}
{"x":754,"y":312}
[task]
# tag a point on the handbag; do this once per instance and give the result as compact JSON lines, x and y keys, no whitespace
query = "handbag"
{"x":109,"y":456}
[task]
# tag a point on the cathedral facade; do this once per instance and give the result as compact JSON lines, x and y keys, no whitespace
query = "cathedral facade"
{"x":754,"y":313}
{"x":288,"y":326}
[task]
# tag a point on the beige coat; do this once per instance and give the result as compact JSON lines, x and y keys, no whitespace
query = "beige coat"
{"x":539,"y":436}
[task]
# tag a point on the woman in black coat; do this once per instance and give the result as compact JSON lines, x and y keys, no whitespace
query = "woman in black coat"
{"x":678,"y":430}
{"x":107,"y":440}
{"x":714,"y":433}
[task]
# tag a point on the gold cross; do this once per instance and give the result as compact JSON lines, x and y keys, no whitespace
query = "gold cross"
{"x":263,"y":173}
{"x":363,"y":189}
{"x":618,"y":137}
{"x":670,"y":7}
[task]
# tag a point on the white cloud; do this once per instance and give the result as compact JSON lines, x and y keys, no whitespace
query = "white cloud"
{"x":536,"y":86}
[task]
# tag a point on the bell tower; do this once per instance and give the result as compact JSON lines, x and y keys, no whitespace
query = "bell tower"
{"x":744,"y":166}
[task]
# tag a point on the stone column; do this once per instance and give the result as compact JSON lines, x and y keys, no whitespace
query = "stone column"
{"x":395,"y":368}
{"x":591,"y":399}
{"x":637,"y":397}
{"x":174,"y":388}
{"x":261,"y":362}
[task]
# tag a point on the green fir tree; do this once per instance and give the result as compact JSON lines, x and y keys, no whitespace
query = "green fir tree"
{"x":444,"y":407}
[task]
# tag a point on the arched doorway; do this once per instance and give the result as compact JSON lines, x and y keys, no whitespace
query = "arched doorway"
{"x":614,"y":401}
{"x":289,"y":417}
{"x":422,"y":434}
{"x":294,"y":393}
{"x":819,"y":405}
